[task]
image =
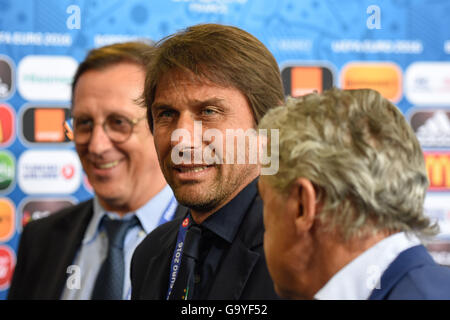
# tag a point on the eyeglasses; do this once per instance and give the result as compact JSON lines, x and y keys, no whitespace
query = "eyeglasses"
{"x":118,"y":128}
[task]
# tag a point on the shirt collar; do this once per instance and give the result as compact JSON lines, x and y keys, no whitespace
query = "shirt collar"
{"x":94,"y":225}
{"x":225,"y":222}
{"x":357,"y":279}
{"x":148,"y":215}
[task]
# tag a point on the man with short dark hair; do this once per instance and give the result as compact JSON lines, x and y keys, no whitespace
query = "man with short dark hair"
{"x":208,"y":80}
{"x":84,"y":251}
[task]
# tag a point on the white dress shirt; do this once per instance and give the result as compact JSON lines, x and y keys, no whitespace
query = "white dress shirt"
{"x":94,"y":246}
{"x":357,"y":279}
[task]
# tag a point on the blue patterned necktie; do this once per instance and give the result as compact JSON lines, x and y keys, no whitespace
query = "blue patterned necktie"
{"x":109,"y":283}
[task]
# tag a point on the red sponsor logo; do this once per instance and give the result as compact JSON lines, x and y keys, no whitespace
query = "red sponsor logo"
{"x":7,"y":263}
{"x":68,"y":171}
{"x":6,"y":124}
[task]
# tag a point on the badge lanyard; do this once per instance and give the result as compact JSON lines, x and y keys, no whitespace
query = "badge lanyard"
{"x":176,"y":258}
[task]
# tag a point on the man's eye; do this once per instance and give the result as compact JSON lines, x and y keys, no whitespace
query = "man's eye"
{"x":117,"y":123}
{"x":208,"y":111}
{"x":82,"y":124}
{"x":165,"y":114}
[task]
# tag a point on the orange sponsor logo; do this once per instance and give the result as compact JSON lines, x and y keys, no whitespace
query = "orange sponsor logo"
{"x":438,"y":170}
{"x":385,"y":77}
{"x":48,"y":125}
{"x":7,"y":219}
{"x":306,"y":80}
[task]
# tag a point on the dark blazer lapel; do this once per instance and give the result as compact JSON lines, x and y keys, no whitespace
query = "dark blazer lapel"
{"x":240,"y":260}
{"x":159,"y":277}
{"x":407,"y":260}
{"x":234,"y":272}
{"x":180,"y":212}
{"x":66,"y":240}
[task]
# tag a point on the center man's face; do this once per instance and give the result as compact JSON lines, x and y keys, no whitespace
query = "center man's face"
{"x":179,"y":101}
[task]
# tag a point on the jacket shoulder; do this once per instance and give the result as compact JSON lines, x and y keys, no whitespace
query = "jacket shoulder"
{"x":157,"y":239}
{"x":154,"y":244}
{"x":45,"y":244}
{"x":426,"y":282}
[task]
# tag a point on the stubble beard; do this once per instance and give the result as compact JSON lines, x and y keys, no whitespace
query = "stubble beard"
{"x":204,"y":197}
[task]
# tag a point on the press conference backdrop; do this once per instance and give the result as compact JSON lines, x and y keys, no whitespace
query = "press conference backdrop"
{"x":399,"y":47}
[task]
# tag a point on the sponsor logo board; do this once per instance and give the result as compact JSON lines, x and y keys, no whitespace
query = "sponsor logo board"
{"x":428,"y":83}
{"x":385,"y":77}
{"x":37,"y":208}
{"x":7,"y":125}
{"x":7,"y":171}
{"x":6,"y":77}
{"x":438,"y":170}
{"x":41,"y":124}
{"x":299,"y":80}
{"x":7,"y":264}
{"x":7,"y":219}
{"x":46,"y":78}
{"x":432,"y":127}
{"x":49,"y":172}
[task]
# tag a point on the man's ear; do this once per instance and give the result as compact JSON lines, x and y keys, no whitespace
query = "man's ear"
{"x":302,"y":197}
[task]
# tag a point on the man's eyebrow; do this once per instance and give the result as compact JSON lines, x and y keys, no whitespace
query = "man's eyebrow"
{"x":159,"y":105}
{"x":211,"y":101}
{"x":194,"y":103}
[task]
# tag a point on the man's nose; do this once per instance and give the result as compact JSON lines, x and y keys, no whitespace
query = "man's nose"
{"x":99,"y":141}
{"x":188,"y":132}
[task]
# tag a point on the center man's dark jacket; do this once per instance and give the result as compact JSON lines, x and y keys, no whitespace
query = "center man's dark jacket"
{"x":242,"y":273}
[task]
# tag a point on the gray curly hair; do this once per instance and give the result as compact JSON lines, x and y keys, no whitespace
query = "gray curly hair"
{"x":360,"y":154}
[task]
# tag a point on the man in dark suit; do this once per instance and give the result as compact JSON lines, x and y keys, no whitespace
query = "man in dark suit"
{"x":343,"y":215}
{"x":204,"y":84}
{"x":84,"y":251}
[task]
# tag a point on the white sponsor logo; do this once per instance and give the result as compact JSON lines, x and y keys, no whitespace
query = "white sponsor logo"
{"x":46,"y":77}
{"x":43,"y":172}
{"x":437,"y":207}
{"x":428,"y":83}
